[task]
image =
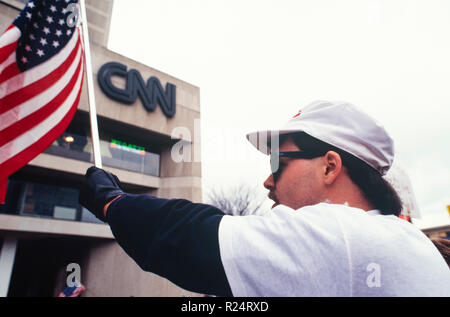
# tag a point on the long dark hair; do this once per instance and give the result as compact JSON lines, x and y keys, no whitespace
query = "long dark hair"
{"x":443,"y":245}
{"x":374,"y":187}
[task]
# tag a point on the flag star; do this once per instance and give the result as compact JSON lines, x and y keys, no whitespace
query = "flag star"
{"x":49,"y":19}
{"x":58,"y":33}
{"x":24,"y":60}
{"x":40,"y":53}
{"x":43,"y":41}
{"x":46,"y":30}
{"x":28,"y":48}
{"x":31,"y":4}
{"x":55,"y":44}
{"x":69,"y":32}
{"x":64,"y":10}
{"x":28,"y":15}
{"x":35,"y":25}
{"x":53,"y":8}
{"x":61,"y":22}
{"x":32,"y":37}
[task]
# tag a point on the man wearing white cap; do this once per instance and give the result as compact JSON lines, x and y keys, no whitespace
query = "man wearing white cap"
{"x":333,"y":230}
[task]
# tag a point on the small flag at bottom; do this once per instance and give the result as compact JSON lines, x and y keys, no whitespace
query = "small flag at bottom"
{"x":72,"y":291}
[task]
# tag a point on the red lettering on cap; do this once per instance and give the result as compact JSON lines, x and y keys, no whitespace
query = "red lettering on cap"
{"x":299,"y":113}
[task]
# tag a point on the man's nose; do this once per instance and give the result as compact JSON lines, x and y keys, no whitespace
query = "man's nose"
{"x":269,"y":182}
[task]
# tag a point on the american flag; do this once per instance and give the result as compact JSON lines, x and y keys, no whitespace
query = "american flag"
{"x":41,"y":76}
{"x":72,"y":291}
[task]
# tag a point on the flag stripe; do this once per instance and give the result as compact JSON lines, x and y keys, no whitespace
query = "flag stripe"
{"x":35,"y":88}
{"x":38,"y":116}
{"x":10,"y":71}
{"x":19,"y":112}
{"x":11,"y":35}
{"x":40,"y":71}
{"x":8,"y":61}
{"x":19,"y":144}
{"x":7,"y":51}
{"x":8,"y":46}
{"x":20,"y":160}
{"x":10,"y":27}
{"x":3,"y":188}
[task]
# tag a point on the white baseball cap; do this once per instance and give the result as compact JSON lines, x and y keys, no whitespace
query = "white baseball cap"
{"x":340,"y":124}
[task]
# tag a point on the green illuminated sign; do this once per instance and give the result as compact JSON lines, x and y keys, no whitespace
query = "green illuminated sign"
{"x":127,"y":146}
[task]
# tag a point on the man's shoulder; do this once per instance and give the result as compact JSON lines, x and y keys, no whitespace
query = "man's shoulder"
{"x":324,"y":212}
{"x":326,"y":218}
{"x":323,"y":207}
{"x":345,"y":219}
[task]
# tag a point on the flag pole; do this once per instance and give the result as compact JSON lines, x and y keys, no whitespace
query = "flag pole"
{"x":90,"y":87}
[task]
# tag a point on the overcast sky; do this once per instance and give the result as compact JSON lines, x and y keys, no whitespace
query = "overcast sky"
{"x":257,"y":62}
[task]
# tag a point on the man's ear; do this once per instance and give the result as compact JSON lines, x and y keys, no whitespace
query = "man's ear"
{"x":333,"y":167}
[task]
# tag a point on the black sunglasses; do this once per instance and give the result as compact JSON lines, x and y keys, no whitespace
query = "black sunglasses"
{"x":275,"y":159}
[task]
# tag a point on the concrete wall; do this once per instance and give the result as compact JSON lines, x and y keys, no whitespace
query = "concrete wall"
{"x":8,"y":14}
{"x":99,"y":20}
{"x":42,"y":226}
{"x":111,"y":272}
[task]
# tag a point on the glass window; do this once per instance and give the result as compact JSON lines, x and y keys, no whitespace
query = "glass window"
{"x":114,"y":153}
{"x":44,"y":200}
{"x":50,"y":201}
{"x":87,"y":216}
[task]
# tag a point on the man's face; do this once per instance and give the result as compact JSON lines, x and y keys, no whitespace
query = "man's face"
{"x":298,"y":182}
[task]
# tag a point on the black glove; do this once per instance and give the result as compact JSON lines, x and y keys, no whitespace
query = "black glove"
{"x":99,"y":188}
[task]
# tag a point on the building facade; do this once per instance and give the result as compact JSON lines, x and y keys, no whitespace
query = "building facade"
{"x":42,"y":226}
{"x":438,"y":232}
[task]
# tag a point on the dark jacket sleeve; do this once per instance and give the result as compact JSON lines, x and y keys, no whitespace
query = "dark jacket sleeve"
{"x":174,"y":238}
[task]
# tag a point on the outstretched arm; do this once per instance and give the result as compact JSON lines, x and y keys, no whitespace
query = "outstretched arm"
{"x":174,"y":238}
